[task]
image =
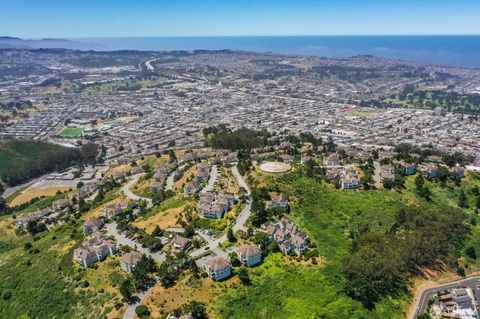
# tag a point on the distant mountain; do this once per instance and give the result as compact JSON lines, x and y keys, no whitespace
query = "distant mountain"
{"x":7,"y":42}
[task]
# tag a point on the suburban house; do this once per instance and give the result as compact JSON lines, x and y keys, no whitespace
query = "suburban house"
{"x":35,"y":216}
{"x":214,"y":206}
{"x":431,"y":171}
{"x":349,"y":179}
{"x":387,"y":172}
{"x":191,"y":188}
{"x":129,"y":260}
{"x":249,"y":255}
{"x":92,"y":225}
{"x":218,"y":268}
{"x":279,"y":201}
{"x":113,"y":210}
{"x":156,"y":186}
{"x":386,"y":154}
{"x":409,"y":169}
{"x":434,"y":158}
{"x":214,"y":210}
{"x":457,"y":171}
{"x":306,"y":158}
{"x":60,"y":204}
{"x":286,"y":158}
{"x":118,"y":175}
{"x":86,"y":190}
{"x":136,"y":170}
{"x":332,"y":160}
{"x":287,"y":235}
{"x":180,"y":243}
{"x":97,"y":248}
{"x":231,"y":159}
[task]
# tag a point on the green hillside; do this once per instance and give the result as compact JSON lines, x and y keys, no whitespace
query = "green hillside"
{"x":21,"y":160}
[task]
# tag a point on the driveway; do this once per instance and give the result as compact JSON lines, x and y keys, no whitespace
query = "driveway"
{"x":211,"y":180}
{"x":171,"y":177}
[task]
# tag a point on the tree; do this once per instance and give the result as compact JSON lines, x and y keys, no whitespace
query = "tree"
{"x":141,"y":273}
{"x":424,"y":315}
{"x":462,"y":199}
{"x":243,"y":276}
{"x":262,"y":239}
{"x":196,"y":309}
{"x":157,"y":231}
{"x":234,"y":259}
{"x":419,"y":181}
{"x":470,"y":252}
{"x":424,"y":192}
{"x":373,"y":269}
{"x":168,"y":272}
{"x":172,"y":156}
{"x":7,"y":294}
{"x":230,"y":235}
{"x":142,"y":311}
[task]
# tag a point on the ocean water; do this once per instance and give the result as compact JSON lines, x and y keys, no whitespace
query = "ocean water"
{"x":447,"y":50}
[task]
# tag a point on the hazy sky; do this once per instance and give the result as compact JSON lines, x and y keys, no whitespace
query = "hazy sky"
{"x":105,"y":18}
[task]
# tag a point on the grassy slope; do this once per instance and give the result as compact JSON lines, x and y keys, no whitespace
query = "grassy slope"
{"x":16,"y":154}
{"x":50,"y":287}
{"x":327,"y":215}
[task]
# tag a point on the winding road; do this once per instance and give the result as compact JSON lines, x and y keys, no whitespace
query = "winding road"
{"x":214,"y":244}
{"x":423,"y":295}
{"x":126,"y":190}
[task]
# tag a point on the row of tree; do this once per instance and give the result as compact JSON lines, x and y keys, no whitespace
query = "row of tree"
{"x":380,"y":263}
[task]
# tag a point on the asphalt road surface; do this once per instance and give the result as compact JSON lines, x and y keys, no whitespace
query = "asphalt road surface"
{"x":422,"y":302}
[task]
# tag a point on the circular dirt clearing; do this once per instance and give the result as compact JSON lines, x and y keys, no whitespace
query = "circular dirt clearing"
{"x":275,"y":167}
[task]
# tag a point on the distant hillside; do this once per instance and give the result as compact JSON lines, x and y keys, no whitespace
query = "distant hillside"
{"x":18,"y":43}
{"x":21,"y":160}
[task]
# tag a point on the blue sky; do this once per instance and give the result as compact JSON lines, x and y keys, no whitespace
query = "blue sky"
{"x":116,"y":18}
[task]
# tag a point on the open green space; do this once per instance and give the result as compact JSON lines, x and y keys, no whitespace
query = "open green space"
{"x":71,"y":132}
{"x":331,"y":218}
{"x":21,"y":160}
{"x":44,"y":283}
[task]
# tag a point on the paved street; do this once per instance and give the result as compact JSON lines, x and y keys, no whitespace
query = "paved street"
{"x":111,"y":229}
{"x":241,"y":182}
{"x":421,"y":303}
{"x":126,"y":190}
{"x":130,"y":312}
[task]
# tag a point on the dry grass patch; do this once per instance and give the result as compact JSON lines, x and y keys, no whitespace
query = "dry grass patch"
{"x":30,"y":193}
{"x":96,"y":212}
{"x":164,"y":219}
{"x":121,"y":168}
{"x":162,"y":301}
{"x":189,"y":172}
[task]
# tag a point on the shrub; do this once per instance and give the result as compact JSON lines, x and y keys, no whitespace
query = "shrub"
{"x":142,"y":311}
{"x":7,"y":294}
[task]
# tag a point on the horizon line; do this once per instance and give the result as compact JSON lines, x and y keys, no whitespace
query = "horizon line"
{"x":240,"y":36}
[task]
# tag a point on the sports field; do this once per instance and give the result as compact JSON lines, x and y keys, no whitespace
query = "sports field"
{"x":70,"y":132}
